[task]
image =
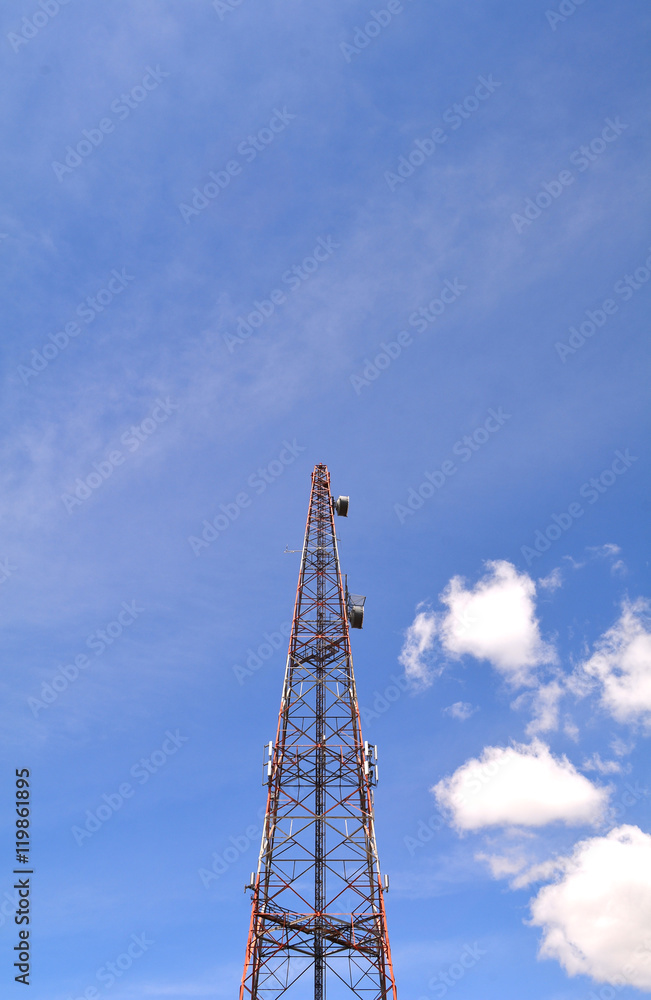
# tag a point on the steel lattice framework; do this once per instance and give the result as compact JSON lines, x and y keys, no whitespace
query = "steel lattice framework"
{"x":318,"y":900}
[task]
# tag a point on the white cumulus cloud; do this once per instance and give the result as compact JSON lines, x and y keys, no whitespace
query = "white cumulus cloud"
{"x":621,"y":663}
{"x":519,"y":786}
{"x":596,"y":917}
{"x":494,"y":621}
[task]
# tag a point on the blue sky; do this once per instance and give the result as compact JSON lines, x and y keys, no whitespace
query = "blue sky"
{"x":120,"y":363}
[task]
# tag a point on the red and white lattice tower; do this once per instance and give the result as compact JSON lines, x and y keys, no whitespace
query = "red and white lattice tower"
{"x":318,"y":919}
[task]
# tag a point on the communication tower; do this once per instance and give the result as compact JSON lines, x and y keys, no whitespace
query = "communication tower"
{"x":318,"y":916}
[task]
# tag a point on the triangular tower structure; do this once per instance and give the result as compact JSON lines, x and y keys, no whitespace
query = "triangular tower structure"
{"x":318,"y":916}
